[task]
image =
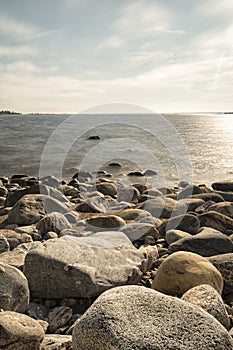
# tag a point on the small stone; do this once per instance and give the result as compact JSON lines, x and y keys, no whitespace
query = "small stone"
{"x":58,"y":317}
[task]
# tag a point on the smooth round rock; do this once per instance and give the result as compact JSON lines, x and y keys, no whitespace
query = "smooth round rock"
{"x":183,"y":270}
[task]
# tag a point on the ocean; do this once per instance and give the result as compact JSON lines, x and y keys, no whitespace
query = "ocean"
{"x":196,"y":148}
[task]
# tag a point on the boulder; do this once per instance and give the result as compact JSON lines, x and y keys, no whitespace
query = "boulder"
{"x":105,"y":222}
{"x":216,"y":220}
{"x":210,"y":300}
{"x":31,"y":208}
{"x":204,"y":243}
{"x":225,"y":208}
{"x":172,"y":236}
{"x":163,"y":207}
{"x":187,"y":223}
{"x":227,"y":196}
{"x":224,"y":264}
{"x":14,"y":292}
{"x":134,"y":317}
{"x":184,"y":270}
{"x":55,"y":222}
{"x":73,"y":267}
{"x":19,"y":332}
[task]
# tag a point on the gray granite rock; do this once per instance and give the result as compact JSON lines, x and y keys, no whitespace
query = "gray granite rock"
{"x":210,"y":300}
{"x":134,"y":317}
{"x":72,"y":267}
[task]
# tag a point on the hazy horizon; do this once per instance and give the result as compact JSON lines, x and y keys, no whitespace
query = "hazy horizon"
{"x":65,"y":56}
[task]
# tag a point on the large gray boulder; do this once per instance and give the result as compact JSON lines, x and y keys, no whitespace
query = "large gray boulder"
{"x":134,"y":317}
{"x":19,"y":332}
{"x":72,"y":267}
{"x":14,"y":292}
{"x":33,"y":207}
{"x":204,"y":243}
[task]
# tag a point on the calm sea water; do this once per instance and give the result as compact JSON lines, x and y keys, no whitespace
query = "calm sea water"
{"x":196,"y":148}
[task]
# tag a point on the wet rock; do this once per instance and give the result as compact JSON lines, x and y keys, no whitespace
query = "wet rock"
{"x":150,"y":172}
{"x":105,"y":222}
{"x":19,"y":332}
{"x":216,"y":220}
{"x":58,"y":317}
{"x":204,"y":243}
{"x":31,"y":208}
{"x":93,"y":137}
{"x":55,"y":222}
{"x":14,"y":292}
{"x":182,"y":271}
{"x":73,"y":267}
{"x":210,"y":300}
{"x":135,"y":317}
{"x":227,"y":196}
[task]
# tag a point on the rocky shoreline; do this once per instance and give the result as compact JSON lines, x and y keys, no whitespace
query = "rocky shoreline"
{"x":96,"y":263}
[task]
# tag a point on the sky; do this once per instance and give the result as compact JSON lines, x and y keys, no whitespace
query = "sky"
{"x":65,"y":56}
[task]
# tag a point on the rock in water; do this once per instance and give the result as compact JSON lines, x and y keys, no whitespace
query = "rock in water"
{"x":134,"y":317}
{"x":19,"y":332}
{"x":210,"y":300}
{"x":14,"y":292}
{"x":72,"y":267}
{"x":182,"y":271}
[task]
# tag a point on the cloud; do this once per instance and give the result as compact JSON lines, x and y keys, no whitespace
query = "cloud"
{"x":18,"y":51}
